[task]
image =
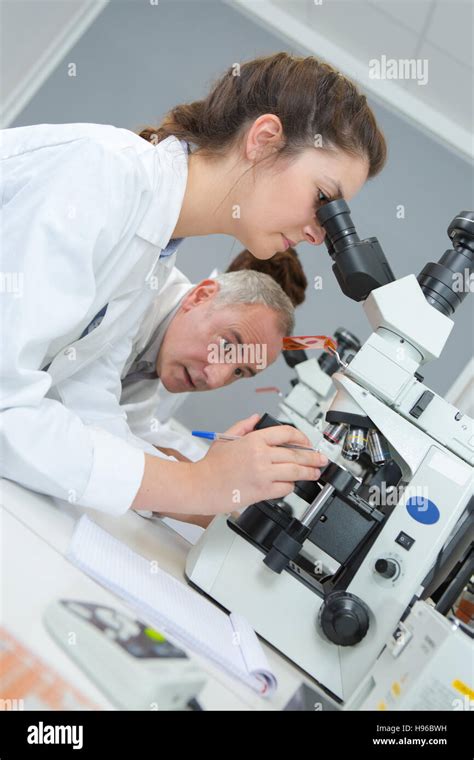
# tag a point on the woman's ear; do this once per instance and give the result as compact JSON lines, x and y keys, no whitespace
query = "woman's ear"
{"x":264,"y":137}
{"x":202,"y":292}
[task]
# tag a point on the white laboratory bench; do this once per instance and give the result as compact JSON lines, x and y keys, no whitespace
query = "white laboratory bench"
{"x":35,"y":532}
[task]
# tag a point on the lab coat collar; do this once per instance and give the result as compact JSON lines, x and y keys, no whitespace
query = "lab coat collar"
{"x":158,"y":316}
{"x":173,"y":292}
{"x":168,"y":162}
{"x":144,"y":365}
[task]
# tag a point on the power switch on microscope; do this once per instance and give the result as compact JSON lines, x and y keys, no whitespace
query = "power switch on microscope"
{"x":405,"y":540}
{"x":420,"y":406}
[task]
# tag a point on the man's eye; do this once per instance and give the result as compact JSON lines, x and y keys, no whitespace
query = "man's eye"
{"x":225,"y":344}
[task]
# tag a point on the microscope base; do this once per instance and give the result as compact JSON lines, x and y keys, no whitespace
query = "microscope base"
{"x":230,"y":570}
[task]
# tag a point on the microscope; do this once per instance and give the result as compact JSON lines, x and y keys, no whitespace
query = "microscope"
{"x":329,"y":581}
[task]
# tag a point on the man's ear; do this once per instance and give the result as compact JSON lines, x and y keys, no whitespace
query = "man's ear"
{"x":202,"y":292}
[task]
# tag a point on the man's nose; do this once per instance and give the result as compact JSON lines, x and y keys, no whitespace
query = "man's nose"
{"x":218,"y":375}
{"x":314,"y":234}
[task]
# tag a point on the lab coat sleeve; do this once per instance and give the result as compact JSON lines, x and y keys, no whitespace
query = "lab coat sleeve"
{"x":57,"y":229}
{"x":149,"y":409}
{"x":163,"y":435}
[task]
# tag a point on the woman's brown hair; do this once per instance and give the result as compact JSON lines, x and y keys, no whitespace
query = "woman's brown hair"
{"x":285,"y":268}
{"x":316,"y":105}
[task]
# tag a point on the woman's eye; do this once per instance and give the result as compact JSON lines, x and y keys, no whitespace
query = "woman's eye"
{"x":321,"y":199}
{"x":238,"y":372}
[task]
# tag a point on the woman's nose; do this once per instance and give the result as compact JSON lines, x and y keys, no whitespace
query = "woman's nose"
{"x":314,"y":234}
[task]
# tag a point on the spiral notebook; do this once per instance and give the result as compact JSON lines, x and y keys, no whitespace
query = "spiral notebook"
{"x":170,"y":606}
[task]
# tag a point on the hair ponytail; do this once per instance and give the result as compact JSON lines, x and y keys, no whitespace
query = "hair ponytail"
{"x":316,"y":104}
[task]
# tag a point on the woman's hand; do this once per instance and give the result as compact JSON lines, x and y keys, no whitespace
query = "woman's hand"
{"x":173,"y":453}
{"x":232,"y":475}
{"x":235,"y":474}
{"x":244,"y":426}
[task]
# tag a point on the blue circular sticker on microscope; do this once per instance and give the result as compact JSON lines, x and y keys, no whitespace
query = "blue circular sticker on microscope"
{"x":422,"y":510}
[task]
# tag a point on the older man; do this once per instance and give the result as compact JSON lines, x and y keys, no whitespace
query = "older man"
{"x":198,"y":338}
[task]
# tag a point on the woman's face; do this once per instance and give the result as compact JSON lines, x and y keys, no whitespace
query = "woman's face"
{"x":277,"y":201}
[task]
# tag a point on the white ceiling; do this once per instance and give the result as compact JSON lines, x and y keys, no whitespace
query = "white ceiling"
{"x":34,"y":36}
{"x":349,"y":33}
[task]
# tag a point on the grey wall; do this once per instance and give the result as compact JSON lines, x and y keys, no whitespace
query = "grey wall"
{"x":138,"y":60}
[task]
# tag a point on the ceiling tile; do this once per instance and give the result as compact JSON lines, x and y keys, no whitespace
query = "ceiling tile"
{"x":296,"y":8}
{"x":447,"y":79}
{"x":361,"y":30}
{"x":32,"y":28}
{"x":451,"y":28}
{"x":410,"y":13}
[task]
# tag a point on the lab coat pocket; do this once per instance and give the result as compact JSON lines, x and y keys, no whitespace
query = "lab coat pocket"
{"x":72,"y":359}
{"x":91,"y":390}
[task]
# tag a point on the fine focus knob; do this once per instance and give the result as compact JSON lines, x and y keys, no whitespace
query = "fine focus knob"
{"x":344,"y":618}
{"x":387,"y":568}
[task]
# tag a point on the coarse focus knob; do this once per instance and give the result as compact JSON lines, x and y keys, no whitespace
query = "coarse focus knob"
{"x":344,"y":618}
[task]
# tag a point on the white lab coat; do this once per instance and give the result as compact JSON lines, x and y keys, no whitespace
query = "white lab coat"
{"x":87,"y":213}
{"x":148,"y":405}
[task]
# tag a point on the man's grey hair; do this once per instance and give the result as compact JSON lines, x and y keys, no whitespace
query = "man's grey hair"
{"x":248,"y":287}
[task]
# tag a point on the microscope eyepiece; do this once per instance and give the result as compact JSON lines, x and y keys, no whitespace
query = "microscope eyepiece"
{"x":335,"y":217}
{"x":360,"y":266}
{"x":443,"y":282}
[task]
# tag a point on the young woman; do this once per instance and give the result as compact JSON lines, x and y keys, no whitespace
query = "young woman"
{"x":92,"y":217}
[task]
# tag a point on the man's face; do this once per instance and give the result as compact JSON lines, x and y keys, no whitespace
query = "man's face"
{"x":207,"y":346}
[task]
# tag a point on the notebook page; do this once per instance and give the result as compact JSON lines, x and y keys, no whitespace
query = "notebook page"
{"x":166,"y":603}
{"x":254,"y":657}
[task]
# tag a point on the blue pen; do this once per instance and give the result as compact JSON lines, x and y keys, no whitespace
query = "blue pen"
{"x":210,"y":436}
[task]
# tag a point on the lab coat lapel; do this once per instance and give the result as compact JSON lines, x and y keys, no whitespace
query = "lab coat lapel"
{"x":166,"y":163}
{"x":121,"y":312}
